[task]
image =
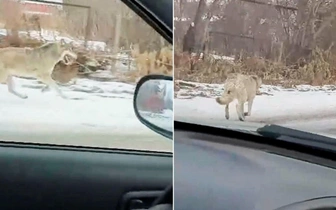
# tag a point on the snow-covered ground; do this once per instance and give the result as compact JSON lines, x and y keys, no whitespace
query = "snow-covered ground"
{"x":97,"y":114}
{"x":50,"y":36}
{"x":304,"y":107}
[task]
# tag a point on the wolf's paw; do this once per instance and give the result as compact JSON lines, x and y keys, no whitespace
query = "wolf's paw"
{"x":242,"y":118}
{"x":24,"y":97}
{"x":246,"y":114}
{"x":227,"y":116}
{"x":45,"y":89}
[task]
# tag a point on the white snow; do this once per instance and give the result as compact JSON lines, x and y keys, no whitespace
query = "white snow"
{"x":305,"y":107}
{"x":49,"y":36}
{"x":98,"y":109}
{"x":222,"y":57}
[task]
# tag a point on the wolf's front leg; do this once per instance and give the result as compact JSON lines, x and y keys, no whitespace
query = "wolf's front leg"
{"x":240,"y":111}
{"x":227,"y":114}
{"x":11,"y":88}
{"x":45,"y":88}
{"x":52,"y":84}
{"x":249,"y":104}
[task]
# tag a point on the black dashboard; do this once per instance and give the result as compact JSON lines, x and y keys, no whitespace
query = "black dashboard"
{"x":216,"y":172}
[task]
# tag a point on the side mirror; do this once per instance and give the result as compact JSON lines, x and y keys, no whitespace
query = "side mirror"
{"x":153,"y":103}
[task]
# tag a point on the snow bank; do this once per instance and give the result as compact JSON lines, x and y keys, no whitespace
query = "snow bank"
{"x":51,"y":36}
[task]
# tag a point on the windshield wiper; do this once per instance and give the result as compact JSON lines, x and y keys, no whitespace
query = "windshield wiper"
{"x":298,"y":137}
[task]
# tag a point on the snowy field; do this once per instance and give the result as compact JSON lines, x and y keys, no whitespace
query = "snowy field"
{"x":97,"y":114}
{"x":305,"y":107}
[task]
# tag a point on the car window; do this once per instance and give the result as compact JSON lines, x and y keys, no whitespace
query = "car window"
{"x":244,"y":64}
{"x":68,"y":73}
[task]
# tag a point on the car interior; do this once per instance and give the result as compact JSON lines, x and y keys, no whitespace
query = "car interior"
{"x":242,"y":170}
{"x":41,"y":176}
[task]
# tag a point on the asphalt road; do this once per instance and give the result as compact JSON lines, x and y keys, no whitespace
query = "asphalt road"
{"x":321,"y":122}
{"x":91,"y":137}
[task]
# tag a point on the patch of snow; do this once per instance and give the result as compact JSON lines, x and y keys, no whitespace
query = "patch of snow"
{"x":219,"y":57}
{"x":102,"y":107}
{"x":304,"y":107}
{"x":52,"y":36}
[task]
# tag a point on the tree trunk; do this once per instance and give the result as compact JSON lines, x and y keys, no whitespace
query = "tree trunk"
{"x":189,"y":39}
{"x":117,"y":32}
{"x":193,"y":39}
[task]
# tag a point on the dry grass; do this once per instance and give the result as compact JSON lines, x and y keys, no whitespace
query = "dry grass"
{"x":319,"y":70}
{"x":155,"y":62}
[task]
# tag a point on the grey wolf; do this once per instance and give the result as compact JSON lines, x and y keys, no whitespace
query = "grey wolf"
{"x":243,"y":88}
{"x":35,"y":63}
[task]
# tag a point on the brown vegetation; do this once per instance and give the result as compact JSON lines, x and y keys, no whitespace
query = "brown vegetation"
{"x":290,"y":44}
{"x":153,"y":62}
{"x":318,"y":71}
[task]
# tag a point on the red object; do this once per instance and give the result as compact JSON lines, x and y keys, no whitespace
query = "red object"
{"x":154,"y":104}
{"x":31,"y":7}
{"x":36,"y":7}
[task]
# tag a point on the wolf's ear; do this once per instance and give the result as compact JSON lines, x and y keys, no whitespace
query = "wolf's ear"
{"x":257,"y":79}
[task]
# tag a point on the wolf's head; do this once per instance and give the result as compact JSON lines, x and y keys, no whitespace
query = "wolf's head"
{"x":258,"y":80}
{"x":229,"y":93}
{"x":60,"y":51}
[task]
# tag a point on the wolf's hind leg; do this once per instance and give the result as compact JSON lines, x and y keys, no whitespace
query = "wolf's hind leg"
{"x":11,"y":88}
{"x":52,"y":84}
{"x":240,"y":111}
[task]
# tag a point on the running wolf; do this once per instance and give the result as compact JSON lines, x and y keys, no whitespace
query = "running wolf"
{"x":243,"y":88}
{"x":36,"y":62}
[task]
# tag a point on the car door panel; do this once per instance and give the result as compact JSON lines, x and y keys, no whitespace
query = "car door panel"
{"x":41,"y":177}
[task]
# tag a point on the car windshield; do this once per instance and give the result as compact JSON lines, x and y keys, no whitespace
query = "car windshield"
{"x":69,"y":70}
{"x":244,"y":64}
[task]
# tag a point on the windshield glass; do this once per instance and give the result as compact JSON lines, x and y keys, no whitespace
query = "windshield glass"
{"x":274,"y":60}
{"x":69,"y":70}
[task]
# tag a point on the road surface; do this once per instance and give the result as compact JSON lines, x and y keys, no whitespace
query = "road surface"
{"x":306,"y":117}
{"x":140,"y":139}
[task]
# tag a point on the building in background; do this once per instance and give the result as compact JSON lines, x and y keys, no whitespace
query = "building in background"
{"x":40,"y":7}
